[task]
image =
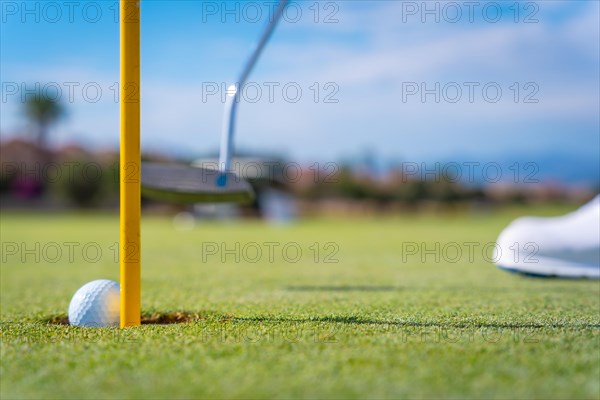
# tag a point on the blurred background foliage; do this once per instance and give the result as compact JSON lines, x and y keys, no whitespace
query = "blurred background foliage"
{"x":36,"y":175}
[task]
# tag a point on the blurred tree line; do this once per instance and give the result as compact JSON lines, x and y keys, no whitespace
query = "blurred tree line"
{"x":72,"y":176}
{"x":33,"y":174}
{"x":395,"y":187}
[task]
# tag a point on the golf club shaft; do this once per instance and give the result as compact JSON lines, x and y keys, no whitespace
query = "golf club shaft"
{"x":233,"y":99}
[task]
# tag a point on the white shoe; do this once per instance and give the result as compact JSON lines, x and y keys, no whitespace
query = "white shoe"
{"x":566,"y":246}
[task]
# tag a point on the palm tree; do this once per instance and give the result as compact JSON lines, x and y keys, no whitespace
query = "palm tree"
{"x":43,"y":111}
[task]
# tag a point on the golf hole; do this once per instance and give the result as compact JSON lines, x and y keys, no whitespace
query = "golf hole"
{"x":149,"y":318}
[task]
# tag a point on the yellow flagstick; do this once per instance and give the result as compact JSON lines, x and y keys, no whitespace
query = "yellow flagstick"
{"x":129,"y":99}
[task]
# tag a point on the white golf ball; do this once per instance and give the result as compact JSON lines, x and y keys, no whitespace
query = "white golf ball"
{"x":96,"y":304}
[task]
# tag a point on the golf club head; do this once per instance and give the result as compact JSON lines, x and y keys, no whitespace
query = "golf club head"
{"x":186,"y":184}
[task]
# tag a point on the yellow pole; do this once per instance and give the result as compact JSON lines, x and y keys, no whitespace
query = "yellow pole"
{"x":129,"y":99}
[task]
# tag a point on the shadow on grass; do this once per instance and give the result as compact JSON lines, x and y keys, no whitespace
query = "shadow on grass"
{"x":466,"y":288}
{"x":182,"y":317}
{"x":351,"y":288}
{"x":353,"y":320}
{"x":148,"y":318}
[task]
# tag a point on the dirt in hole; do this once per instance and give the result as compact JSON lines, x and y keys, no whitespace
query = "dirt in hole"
{"x":149,"y":318}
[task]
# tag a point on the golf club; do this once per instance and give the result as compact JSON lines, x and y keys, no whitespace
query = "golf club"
{"x":189,"y":184}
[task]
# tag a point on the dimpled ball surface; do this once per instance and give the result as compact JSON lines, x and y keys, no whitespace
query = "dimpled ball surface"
{"x":96,"y":304}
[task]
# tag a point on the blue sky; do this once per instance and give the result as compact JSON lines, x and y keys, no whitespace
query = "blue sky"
{"x":370,"y":57}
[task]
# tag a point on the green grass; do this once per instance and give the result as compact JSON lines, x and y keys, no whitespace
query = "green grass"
{"x":372,"y":325}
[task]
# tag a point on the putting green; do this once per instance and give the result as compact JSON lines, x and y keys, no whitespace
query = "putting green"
{"x":372,"y":307}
